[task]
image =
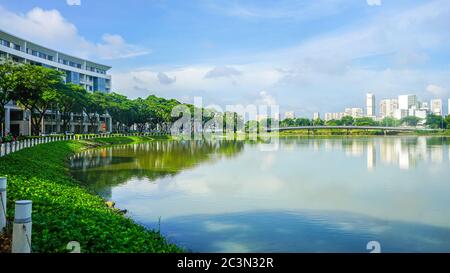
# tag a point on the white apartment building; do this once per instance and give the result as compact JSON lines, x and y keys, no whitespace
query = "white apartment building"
{"x":335,"y":116}
{"x":405,"y":102}
{"x":388,"y":107}
{"x":436,"y":107}
{"x":354,"y":112}
{"x":316,"y":115}
{"x":370,"y":105}
{"x":90,"y":75}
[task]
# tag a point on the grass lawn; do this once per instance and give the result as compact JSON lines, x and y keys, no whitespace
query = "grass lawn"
{"x":65,"y":211}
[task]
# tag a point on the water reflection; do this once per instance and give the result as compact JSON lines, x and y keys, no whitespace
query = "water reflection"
{"x":112,"y":166}
{"x":404,"y":152}
{"x":300,"y":231}
{"x":312,"y":194}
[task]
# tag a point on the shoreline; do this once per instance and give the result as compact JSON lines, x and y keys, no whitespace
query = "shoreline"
{"x":64,"y":210}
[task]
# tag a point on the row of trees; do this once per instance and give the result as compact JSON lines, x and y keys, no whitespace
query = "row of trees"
{"x":42,"y":90}
{"x":432,"y":121}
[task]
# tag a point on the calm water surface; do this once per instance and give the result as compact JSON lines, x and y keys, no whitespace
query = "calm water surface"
{"x":309,"y":195}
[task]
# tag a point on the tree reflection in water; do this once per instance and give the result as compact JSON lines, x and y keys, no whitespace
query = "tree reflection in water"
{"x":112,"y":166}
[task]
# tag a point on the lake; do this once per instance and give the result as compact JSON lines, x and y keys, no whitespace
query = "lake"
{"x":302,"y":195}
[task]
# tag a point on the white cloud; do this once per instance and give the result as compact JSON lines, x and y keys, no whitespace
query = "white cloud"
{"x":324,"y":73}
{"x":266,"y":99}
{"x":73,"y":2}
{"x":222,"y":71}
{"x":50,"y":28}
{"x":373,"y":2}
{"x":165,"y":79}
{"x":436,"y":90}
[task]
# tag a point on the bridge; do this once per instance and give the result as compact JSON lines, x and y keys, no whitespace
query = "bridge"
{"x":381,"y":128}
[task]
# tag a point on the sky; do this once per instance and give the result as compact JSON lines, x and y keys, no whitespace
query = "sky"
{"x":304,"y":55}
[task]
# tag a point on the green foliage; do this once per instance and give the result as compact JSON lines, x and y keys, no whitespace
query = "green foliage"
{"x":64,"y":211}
{"x":295,"y":122}
{"x":410,"y":120}
{"x":252,"y":126}
{"x":318,"y":122}
{"x":71,"y":99}
{"x":447,"y":121}
{"x":390,"y":122}
{"x":7,"y":69}
{"x":435,"y":122}
{"x":347,"y":120}
{"x":36,"y":89}
{"x":366,"y":121}
{"x":333,"y":122}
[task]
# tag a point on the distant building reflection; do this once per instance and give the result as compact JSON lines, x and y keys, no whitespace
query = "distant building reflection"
{"x":406,"y":153}
{"x":403,"y":152}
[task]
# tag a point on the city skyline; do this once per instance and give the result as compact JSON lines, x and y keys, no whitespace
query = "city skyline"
{"x":306,"y":56}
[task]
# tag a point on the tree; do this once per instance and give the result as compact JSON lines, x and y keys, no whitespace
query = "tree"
{"x":142,"y":113}
{"x":252,"y":126}
{"x":71,"y":99}
{"x":7,"y":69}
{"x":435,"y":122}
{"x":288,"y":122}
{"x":447,"y":121}
{"x":302,"y":122}
{"x":410,"y":120}
{"x":95,"y":106}
{"x":119,"y":107}
{"x":318,"y":122}
{"x":333,"y":122}
{"x":366,"y":121}
{"x":234,"y":121}
{"x":36,"y":89}
{"x":347,"y":120}
{"x":390,"y":122}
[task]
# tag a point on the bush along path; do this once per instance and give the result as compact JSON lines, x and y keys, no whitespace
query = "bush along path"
{"x":65,"y":211}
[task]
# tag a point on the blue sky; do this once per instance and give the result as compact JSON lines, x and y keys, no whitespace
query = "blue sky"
{"x":305,"y":55}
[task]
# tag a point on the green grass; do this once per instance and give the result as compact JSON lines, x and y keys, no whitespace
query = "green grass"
{"x":65,"y":211}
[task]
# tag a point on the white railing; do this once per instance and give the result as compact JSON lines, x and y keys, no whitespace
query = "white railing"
{"x":14,"y":146}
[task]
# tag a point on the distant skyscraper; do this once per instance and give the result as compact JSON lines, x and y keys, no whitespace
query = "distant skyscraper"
{"x":406,"y":102}
{"x":436,"y":107}
{"x":316,"y":115}
{"x":370,"y":105}
{"x":289,"y":114}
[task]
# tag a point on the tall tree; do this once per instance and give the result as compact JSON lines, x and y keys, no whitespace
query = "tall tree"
{"x":96,"y":104}
{"x":36,"y":89}
{"x":71,"y":99}
{"x":435,"y":122}
{"x":410,"y":120}
{"x":7,"y":69}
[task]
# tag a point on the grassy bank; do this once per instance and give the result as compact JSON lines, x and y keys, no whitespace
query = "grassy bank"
{"x":64,"y":211}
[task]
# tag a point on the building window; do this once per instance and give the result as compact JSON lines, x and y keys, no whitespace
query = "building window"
{"x":17,"y":47}
{"x":5,"y":43}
